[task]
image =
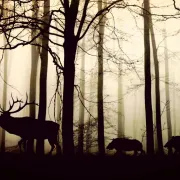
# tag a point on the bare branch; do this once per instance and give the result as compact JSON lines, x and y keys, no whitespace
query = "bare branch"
{"x":83,"y":18}
{"x":174,"y":3}
{"x":98,"y":14}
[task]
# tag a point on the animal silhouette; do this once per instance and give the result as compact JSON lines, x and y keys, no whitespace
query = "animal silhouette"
{"x":28,"y":128}
{"x":124,"y":144}
{"x":174,"y":142}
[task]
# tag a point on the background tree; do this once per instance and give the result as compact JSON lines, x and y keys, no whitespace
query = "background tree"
{"x":168,"y":106}
{"x":135,"y":116}
{"x":121,"y":118}
{"x":43,"y":73}
{"x":33,"y":76}
{"x":58,"y":95}
{"x":81,"y":105}
{"x":147,"y":73}
{"x":174,"y":106}
{"x":157,"y":90}
{"x":5,"y":58}
{"x":101,"y":142}
{"x":92,"y":108}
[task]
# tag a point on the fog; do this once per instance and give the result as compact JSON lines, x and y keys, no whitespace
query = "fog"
{"x":128,"y":49}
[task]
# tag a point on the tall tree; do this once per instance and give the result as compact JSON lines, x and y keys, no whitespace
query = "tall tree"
{"x":70,"y":46}
{"x":91,"y":110}
{"x":147,"y":72}
{"x":3,"y":133}
{"x":168,"y":112}
{"x":58,"y":96}
{"x":43,"y":73}
{"x":101,"y":142}
{"x":135,"y":116}
{"x":174,"y":106}
{"x":157,"y":90}
{"x":33,"y":75}
{"x":121,"y":119}
{"x":81,"y":106}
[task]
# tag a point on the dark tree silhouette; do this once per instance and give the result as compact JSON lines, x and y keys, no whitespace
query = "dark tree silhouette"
{"x":81,"y":106}
{"x":33,"y":76}
{"x":43,"y":73}
{"x":157,"y":90}
{"x":100,"y":81}
{"x":168,"y":112}
{"x":148,"y":103}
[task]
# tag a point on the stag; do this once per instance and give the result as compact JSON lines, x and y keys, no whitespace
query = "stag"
{"x":28,"y":128}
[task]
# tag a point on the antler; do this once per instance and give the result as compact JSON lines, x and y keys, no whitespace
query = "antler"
{"x":14,"y":102}
{"x":21,"y":107}
{"x":1,"y":109}
{"x":10,"y":105}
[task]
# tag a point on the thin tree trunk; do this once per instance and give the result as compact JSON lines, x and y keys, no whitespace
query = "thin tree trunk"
{"x":147,"y":72}
{"x":58,"y":101}
{"x":3,"y":135}
{"x":154,"y":119}
{"x":157,"y":91}
{"x":81,"y":106}
{"x":121,"y":120}
{"x":174,"y":106}
{"x":43,"y":74}
{"x":91,"y":108}
{"x":34,"y":62}
{"x":88,"y":136}
{"x":168,"y":112}
{"x":101,"y":142}
{"x":135,"y":117}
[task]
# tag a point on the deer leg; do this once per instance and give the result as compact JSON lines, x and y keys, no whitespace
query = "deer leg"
{"x":142,"y":152}
{"x":58,"y":147}
{"x":175,"y":152}
{"x":19,"y":144}
{"x":135,"y":152}
{"x":51,"y":142}
{"x":24,"y":144}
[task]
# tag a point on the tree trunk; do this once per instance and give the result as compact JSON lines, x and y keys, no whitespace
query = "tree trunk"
{"x":121,"y":120}
{"x":154,"y":118}
{"x":58,"y":101}
{"x":174,"y":106}
{"x":43,"y":74}
{"x":157,"y":91}
{"x":3,"y":132}
{"x":91,"y":110}
{"x":34,"y":62}
{"x":147,"y":72}
{"x":81,"y":106}
{"x":70,"y":46}
{"x":168,"y":112}
{"x":135,"y":117}
{"x":101,"y":142}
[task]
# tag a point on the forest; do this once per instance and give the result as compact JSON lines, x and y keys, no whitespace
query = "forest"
{"x":94,"y":83}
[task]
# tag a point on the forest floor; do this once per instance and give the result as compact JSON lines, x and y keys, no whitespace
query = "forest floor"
{"x":21,"y":166}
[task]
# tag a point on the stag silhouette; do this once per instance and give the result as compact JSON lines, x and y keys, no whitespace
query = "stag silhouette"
{"x":28,"y":128}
